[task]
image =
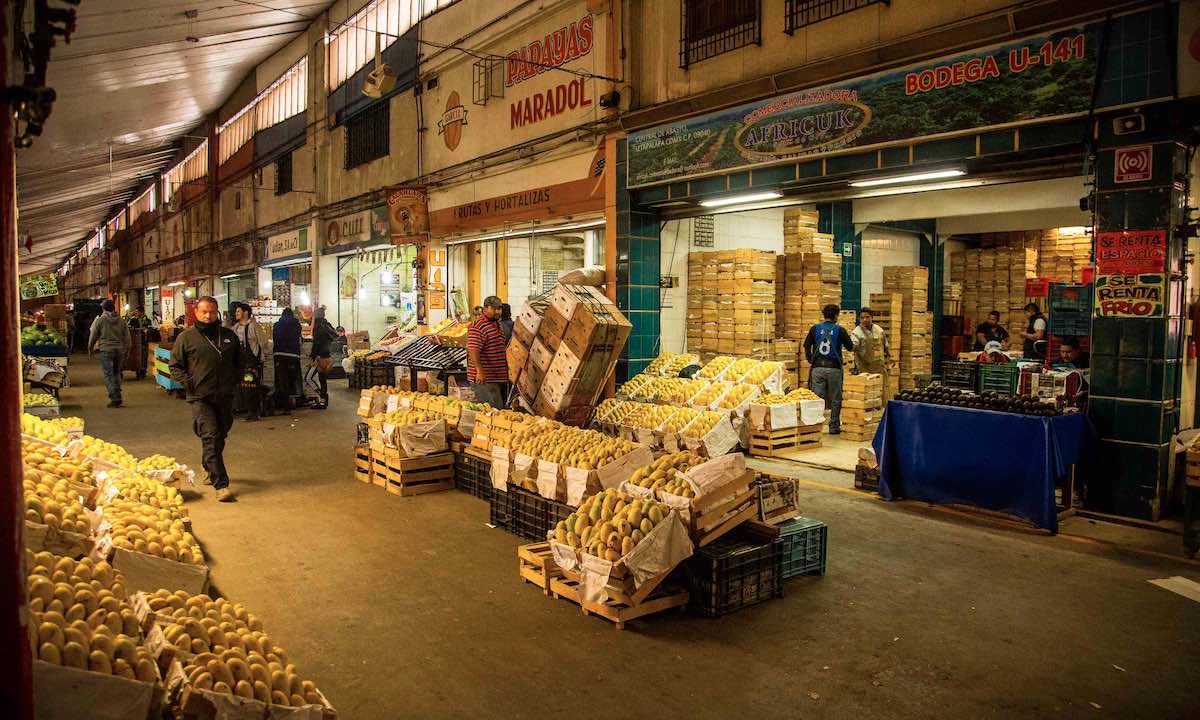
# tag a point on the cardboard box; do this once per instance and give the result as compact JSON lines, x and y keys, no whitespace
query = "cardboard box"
{"x":527,"y":322}
{"x":540,"y":355}
{"x":552,"y":327}
{"x":66,"y":692}
{"x":517,"y":356}
{"x":149,"y":573}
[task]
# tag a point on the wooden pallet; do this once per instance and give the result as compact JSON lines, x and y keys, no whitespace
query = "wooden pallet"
{"x":419,"y":475}
{"x":364,"y":469}
{"x":773,"y":443}
{"x":535,"y":562}
{"x":614,"y":610}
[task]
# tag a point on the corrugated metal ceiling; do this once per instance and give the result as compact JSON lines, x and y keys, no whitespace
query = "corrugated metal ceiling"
{"x":130,"y":85}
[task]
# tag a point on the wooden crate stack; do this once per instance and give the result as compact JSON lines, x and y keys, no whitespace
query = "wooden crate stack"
{"x":813,"y":281}
{"x":848,"y":319}
{"x":888,"y":309}
{"x":862,"y":406}
{"x":916,"y":326}
{"x":1064,"y":256}
{"x":952,"y":295}
{"x":994,"y":279}
{"x":695,"y":302}
{"x":731,"y":302}
{"x":787,"y":351}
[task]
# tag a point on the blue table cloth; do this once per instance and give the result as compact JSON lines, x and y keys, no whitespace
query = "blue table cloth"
{"x":993,"y":460}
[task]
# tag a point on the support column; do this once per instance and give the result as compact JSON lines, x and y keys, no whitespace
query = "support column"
{"x":837,"y":219}
{"x":1135,"y":363}
{"x":637,"y":273}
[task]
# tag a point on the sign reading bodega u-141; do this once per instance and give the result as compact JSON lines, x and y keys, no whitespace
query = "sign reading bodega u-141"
{"x":1045,"y":76}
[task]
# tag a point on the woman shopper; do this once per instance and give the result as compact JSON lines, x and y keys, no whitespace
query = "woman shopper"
{"x":254,"y":356}
{"x":323,"y":334}
{"x":286,"y":336}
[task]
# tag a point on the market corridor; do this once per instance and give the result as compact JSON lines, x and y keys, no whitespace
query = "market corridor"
{"x":411,"y":607}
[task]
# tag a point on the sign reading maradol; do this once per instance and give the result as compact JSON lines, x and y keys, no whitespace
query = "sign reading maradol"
{"x":288,"y":243}
{"x":1045,"y":76}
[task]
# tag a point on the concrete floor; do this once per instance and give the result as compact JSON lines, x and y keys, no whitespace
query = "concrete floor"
{"x":412,"y":608}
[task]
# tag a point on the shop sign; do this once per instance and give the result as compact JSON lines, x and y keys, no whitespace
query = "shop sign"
{"x":286,"y":244}
{"x":369,"y":227}
{"x":557,"y":48}
{"x":36,"y":286}
{"x":1049,"y":75}
{"x":436,"y":288}
{"x":543,"y":106}
{"x":450,"y":127}
{"x":408,"y":215}
{"x":1131,"y":251}
{"x":1130,"y":273}
{"x":1133,"y":164}
{"x":1130,"y":296}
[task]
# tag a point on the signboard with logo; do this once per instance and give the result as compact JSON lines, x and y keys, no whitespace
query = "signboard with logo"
{"x":408,"y":215}
{"x":1040,"y":77}
{"x":369,"y":227}
{"x":1131,"y":274}
{"x":287,"y":244}
{"x":1133,"y":164}
{"x":36,"y":286}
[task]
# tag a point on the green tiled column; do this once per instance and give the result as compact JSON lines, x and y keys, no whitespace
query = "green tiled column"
{"x":1135,"y":365}
{"x":638,"y":294}
{"x":837,"y":219}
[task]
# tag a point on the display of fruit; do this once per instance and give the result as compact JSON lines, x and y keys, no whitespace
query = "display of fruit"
{"x":648,"y":416}
{"x":47,"y":460}
{"x":160,"y":532}
{"x":157,"y":462}
{"x":659,"y":364}
{"x":758,"y":374}
{"x":135,"y":486}
{"x":634,"y":384}
{"x":661,"y":472}
{"x":703,"y":424}
{"x":442,"y":325}
{"x":677,"y":486}
{"x":407,"y":417}
{"x":680,"y":419}
{"x":681,"y":391}
{"x":784,"y":398}
{"x":614,"y":411}
{"x":96,"y":574}
{"x":610,"y":524}
{"x":605,"y":408}
{"x":987,"y":400}
{"x":737,"y":395}
{"x":39,"y":399}
{"x":111,"y":453}
{"x":50,"y":500}
{"x":40,"y":335}
{"x":228,"y":652}
{"x":739,"y":368}
{"x":715,"y":367}
{"x":710,"y":394}
{"x":570,"y":446}
{"x":43,"y":430}
{"x":65,"y":423}
{"x":679,"y":362}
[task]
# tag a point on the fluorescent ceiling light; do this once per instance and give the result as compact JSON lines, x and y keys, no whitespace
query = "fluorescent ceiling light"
{"x":231,"y":275}
{"x":913,"y":177}
{"x":739,"y":199}
{"x":175,"y":284}
{"x":1072,"y":230}
{"x":152,"y":287}
{"x":526,"y":231}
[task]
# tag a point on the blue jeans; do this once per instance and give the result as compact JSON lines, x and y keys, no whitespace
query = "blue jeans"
{"x":827,"y":384}
{"x":110,"y":363}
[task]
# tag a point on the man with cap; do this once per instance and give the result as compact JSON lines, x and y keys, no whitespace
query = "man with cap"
{"x":487,"y":363}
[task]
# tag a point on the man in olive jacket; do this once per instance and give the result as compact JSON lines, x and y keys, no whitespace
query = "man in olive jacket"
{"x":207,"y":362}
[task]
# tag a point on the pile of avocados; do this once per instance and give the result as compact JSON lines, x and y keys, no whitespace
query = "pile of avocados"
{"x":987,"y":400}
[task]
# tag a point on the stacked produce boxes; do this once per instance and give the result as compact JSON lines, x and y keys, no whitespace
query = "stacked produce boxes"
{"x":862,"y":406}
{"x":813,"y":281}
{"x":1063,"y":256}
{"x":916,"y":327}
{"x":994,"y":279}
{"x":888,"y":309}
{"x":731,"y":302}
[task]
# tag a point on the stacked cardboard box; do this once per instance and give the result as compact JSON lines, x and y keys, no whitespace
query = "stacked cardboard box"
{"x":916,"y":324}
{"x":780,"y":296}
{"x":862,"y":406}
{"x":731,"y":302}
{"x":787,"y":352}
{"x":573,"y":351}
{"x":848,"y":319}
{"x":887,"y":310}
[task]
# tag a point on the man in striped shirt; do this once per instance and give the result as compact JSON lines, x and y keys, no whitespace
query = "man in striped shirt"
{"x":487,"y":363}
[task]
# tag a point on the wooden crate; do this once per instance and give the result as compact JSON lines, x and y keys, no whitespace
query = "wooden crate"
{"x":1192,"y":477}
{"x":614,"y":610}
{"x":776,"y":443}
{"x":722,"y":510}
{"x":419,"y":475}
{"x":536,"y":565}
{"x":363,"y":467}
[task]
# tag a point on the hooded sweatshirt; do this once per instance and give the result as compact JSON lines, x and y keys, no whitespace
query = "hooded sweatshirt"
{"x":109,"y":334}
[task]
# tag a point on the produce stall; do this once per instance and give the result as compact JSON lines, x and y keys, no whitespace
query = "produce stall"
{"x":921,"y":441}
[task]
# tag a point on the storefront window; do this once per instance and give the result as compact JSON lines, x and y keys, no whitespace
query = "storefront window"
{"x":376,"y":289}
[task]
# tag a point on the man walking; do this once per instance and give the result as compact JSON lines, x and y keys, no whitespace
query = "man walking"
{"x":487,"y":363}
{"x":872,"y":353}
{"x":110,"y":335}
{"x":254,"y":358}
{"x":207,"y":362}
{"x":286,"y":339}
{"x":823,"y":347}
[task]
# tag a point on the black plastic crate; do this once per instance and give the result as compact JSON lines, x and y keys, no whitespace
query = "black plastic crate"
{"x":556,"y":511}
{"x":500,"y":514}
{"x":733,"y":573}
{"x":961,"y":375}
{"x":528,"y":514}
{"x":473,"y":476}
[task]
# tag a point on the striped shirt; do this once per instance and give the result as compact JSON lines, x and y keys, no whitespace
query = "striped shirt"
{"x":486,"y":336}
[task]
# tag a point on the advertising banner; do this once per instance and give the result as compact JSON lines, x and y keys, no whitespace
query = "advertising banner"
{"x":408,"y":216}
{"x":36,"y":286}
{"x":1045,"y":76}
{"x":288,"y":243}
{"x":1131,"y":274}
{"x":369,"y":227}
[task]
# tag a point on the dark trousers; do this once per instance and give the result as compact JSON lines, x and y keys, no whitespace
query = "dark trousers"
{"x":211,"y":419}
{"x":287,"y":375}
{"x":324,"y":383}
{"x":250,"y":399}
{"x":110,"y":363}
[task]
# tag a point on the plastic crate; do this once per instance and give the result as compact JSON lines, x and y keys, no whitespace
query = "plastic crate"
{"x":528,"y":514}
{"x":731,"y":574}
{"x":473,"y":476}
{"x":805,"y":546}
{"x":556,"y":511}
{"x":1070,"y":323}
{"x":1070,"y":298}
{"x":961,"y":375}
{"x":1001,"y":378}
{"x":500,"y":513}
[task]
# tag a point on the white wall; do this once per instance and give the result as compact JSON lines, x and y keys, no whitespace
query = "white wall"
{"x":519,"y":271}
{"x":883,"y":247}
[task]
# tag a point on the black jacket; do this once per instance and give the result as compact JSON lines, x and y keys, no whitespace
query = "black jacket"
{"x":207,"y":368}
{"x":322,"y":338}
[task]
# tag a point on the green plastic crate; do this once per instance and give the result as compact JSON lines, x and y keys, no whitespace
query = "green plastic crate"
{"x":1004,"y":378}
{"x":805,"y":546}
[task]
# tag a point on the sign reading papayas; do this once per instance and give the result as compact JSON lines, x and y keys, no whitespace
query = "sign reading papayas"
{"x":1130,"y":296}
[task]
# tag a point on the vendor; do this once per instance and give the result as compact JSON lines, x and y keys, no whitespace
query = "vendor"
{"x":1070,"y":356}
{"x":990,"y":330}
{"x":1035,"y":333}
{"x":871,"y":350}
{"x":993,"y":353}
{"x":487,"y":361}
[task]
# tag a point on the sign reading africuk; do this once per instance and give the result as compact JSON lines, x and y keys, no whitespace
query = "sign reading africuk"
{"x":1046,"y":76}
{"x":1131,"y":273}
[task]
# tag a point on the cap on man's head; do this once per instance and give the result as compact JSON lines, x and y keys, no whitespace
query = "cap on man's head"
{"x":108,"y":306}
{"x":993,"y":347}
{"x":493,"y":302}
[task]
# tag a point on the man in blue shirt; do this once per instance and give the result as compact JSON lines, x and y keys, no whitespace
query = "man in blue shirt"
{"x":823,"y":347}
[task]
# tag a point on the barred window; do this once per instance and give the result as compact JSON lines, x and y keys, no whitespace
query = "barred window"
{"x":234,"y":134}
{"x":367,"y":136}
{"x":351,"y":45}
{"x":193,"y":167}
{"x":711,"y":27}
{"x":283,"y":174}
{"x":286,"y":97}
{"x":802,"y":13}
